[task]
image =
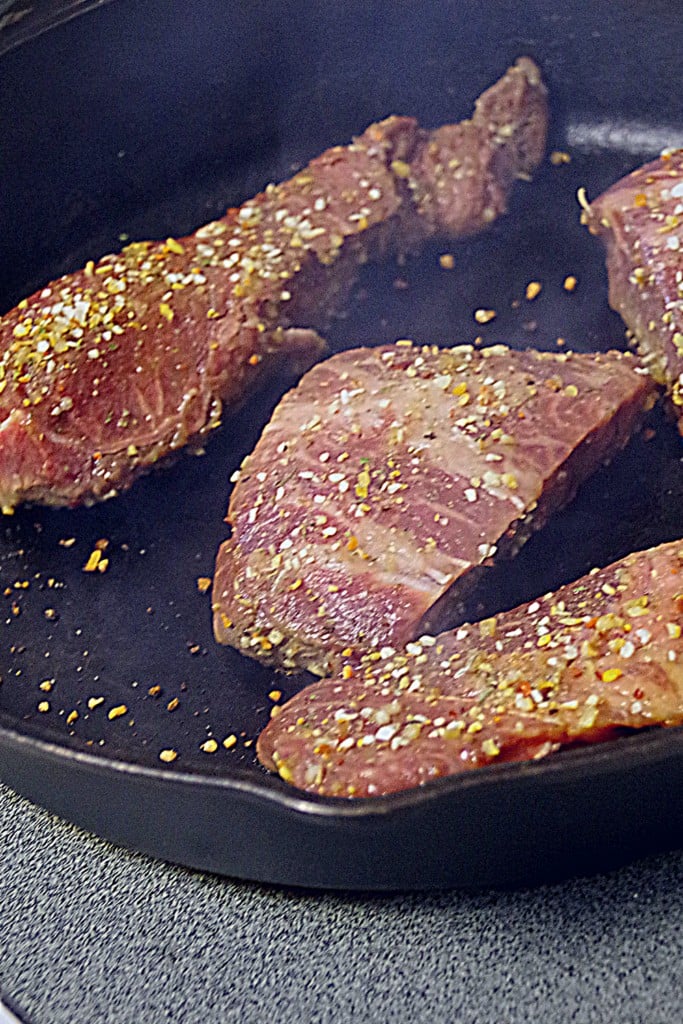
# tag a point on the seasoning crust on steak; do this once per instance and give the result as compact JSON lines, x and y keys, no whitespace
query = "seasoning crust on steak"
{"x":390,"y":475}
{"x":597,"y":657}
{"x":640,"y":221}
{"x":107,"y":370}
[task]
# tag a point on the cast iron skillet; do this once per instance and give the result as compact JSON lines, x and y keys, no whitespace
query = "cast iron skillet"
{"x":147,"y":120}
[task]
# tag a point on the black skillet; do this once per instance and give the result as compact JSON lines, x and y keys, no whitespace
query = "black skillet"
{"x":144,"y":120}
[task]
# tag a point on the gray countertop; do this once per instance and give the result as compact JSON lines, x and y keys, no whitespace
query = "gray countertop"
{"x":91,"y":933}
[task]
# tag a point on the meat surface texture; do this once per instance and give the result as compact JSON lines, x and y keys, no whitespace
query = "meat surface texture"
{"x":107,"y":370}
{"x":389,"y":475}
{"x":578,"y":666}
{"x":640,"y":220}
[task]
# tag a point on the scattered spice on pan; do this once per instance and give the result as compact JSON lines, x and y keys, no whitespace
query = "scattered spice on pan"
{"x":172,"y":704}
{"x":168,"y":755}
{"x":44,"y":706}
{"x":209,"y":746}
{"x":96,"y":561}
{"x":203,"y":584}
{"x":447,"y":261}
{"x":558,"y":157}
{"x":570,"y":282}
{"x":94,"y":702}
{"x":484,"y":316}
{"x":117,"y":712}
{"x":230,"y":741}
{"x":533,"y":289}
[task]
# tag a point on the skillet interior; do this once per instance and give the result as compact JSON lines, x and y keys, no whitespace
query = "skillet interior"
{"x":125,"y":122}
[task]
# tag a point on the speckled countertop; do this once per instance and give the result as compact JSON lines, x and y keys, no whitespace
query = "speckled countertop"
{"x":91,"y":933}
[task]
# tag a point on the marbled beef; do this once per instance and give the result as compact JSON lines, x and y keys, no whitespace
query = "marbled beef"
{"x":597,"y":657}
{"x":640,"y":220}
{"x":107,"y":370}
{"x":389,"y":475}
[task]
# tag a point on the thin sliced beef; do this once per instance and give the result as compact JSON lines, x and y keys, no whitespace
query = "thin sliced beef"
{"x":582,"y":665}
{"x":107,"y":370}
{"x":640,"y":220}
{"x":389,"y":475}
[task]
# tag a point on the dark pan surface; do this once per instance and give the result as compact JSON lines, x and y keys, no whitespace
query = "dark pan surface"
{"x":103,"y":671}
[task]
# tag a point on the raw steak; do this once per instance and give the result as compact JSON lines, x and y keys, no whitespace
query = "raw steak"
{"x":388,"y":475}
{"x":595,"y":658}
{"x":109,"y":369}
{"x":640,"y":220}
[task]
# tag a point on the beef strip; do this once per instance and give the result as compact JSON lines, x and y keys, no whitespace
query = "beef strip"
{"x":107,"y":370}
{"x":582,"y":665}
{"x":640,"y":220}
{"x":389,"y":475}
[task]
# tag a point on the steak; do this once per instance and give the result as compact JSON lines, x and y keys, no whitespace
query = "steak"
{"x":640,"y":220}
{"x":389,"y":476}
{"x":582,"y":665}
{"x":107,"y":370}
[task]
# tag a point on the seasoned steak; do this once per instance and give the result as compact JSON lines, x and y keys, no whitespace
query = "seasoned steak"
{"x":640,"y":220}
{"x":582,"y":665}
{"x":105,"y":371}
{"x":389,"y":475}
